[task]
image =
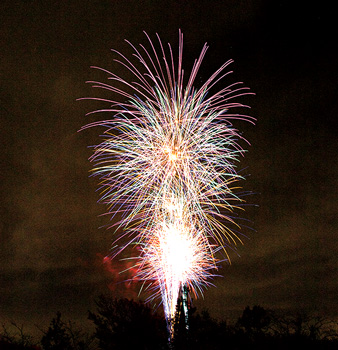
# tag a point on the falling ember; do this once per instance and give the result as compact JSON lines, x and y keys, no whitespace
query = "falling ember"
{"x":167,"y":166}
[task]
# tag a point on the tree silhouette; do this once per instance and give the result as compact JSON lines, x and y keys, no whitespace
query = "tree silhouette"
{"x":127,"y":324}
{"x":16,"y":338}
{"x":207,"y":332}
{"x":305,"y":330}
{"x":56,"y":337}
{"x":63,"y":336}
{"x":255,"y":320}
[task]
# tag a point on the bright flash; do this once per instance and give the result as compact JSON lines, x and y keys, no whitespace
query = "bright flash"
{"x":176,"y":250}
{"x":172,"y":156}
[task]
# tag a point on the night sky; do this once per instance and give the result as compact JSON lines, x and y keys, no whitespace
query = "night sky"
{"x":52,"y":248}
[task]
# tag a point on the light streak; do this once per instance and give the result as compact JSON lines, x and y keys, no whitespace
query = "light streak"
{"x":168,"y":169}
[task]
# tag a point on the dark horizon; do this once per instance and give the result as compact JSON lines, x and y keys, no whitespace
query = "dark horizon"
{"x":52,"y":250}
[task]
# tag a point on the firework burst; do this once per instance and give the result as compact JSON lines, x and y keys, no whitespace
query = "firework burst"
{"x":168,"y":169}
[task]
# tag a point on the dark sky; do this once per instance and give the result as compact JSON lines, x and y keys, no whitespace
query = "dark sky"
{"x":51,"y":247}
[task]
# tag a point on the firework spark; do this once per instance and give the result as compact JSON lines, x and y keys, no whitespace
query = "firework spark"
{"x":168,"y":169}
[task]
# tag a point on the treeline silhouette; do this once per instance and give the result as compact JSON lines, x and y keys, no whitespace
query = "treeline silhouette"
{"x":130,"y":325}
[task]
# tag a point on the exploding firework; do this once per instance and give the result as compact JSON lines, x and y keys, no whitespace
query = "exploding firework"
{"x":168,"y":169}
